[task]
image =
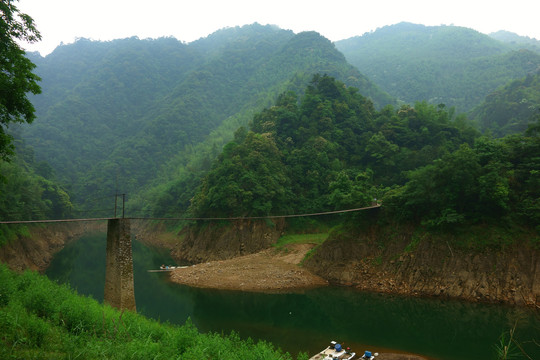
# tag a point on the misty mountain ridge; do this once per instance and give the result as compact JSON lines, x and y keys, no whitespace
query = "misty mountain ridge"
{"x":113,"y":114}
{"x":452,"y":65}
{"x":140,"y":116}
{"x":516,"y":40}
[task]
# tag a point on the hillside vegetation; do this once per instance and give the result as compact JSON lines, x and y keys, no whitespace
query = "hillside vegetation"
{"x":129,"y":115}
{"x":328,"y":149}
{"x":517,"y":41}
{"x":331,"y":150}
{"x":510,"y":108}
{"x":41,"y":319}
{"x":148,"y":117}
{"x":29,"y":190}
{"x":451,"y":65}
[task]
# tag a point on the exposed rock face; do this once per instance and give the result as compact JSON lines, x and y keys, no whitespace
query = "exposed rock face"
{"x":35,"y":251}
{"x":431,"y":268}
{"x":380,"y":261}
{"x":208,"y":242}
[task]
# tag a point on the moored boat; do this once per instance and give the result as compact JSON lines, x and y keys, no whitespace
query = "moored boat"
{"x":334,"y":352}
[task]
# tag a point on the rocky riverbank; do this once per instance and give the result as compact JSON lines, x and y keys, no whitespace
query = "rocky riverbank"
{"x":391,"y":261}
{"x":431,"y":267}
{"x":395,"y":261}
{"x":36,"y":250}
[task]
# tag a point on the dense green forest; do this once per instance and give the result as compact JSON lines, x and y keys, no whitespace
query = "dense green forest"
{"x":256,"y":121}
{"x":29,"y":190}
{"x":451,"y":65}
{"x":516,"y":41}
{"x":129,"y":115}
{"x":326,"y":150}
{"x":330,"y":149}
{"x":496,"y":181}
{"x":510,"y":108}
{"x":40,"y":319}
{"x":148,"y":118}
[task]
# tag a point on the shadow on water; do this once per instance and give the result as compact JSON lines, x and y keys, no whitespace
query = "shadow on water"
{"x":441,"y":329}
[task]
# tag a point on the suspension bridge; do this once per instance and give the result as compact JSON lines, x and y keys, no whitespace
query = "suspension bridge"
{"x":119,"y":283}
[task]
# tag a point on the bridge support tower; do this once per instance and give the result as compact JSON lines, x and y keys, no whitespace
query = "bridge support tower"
{"x":119,"y":286}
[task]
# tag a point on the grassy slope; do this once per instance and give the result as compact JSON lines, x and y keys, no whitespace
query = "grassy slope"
{"x":43,"y":320}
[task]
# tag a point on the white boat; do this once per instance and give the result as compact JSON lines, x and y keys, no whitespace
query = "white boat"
{"x":168,"y":268}
{"x":334,"y":351}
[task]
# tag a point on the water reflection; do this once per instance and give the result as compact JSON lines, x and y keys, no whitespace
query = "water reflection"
{"x":306,"y":321}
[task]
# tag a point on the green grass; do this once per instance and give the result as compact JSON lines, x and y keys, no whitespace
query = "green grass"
{"x":9,"y":233}
{"x":498,"y":237}
{"x":317,"y":238}
{"x":285,"y":240}
{"x":40,"y":319}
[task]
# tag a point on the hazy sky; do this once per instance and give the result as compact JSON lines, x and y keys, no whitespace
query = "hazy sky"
{"x":65,"y":20}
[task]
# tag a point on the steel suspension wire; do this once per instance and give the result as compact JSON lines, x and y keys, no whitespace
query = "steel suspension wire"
{"x":261,"y":217}
{"x":51,"y":221}
{"x":196,"y":218}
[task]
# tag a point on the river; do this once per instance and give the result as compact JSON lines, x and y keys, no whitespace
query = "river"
{"x":308,"y":320}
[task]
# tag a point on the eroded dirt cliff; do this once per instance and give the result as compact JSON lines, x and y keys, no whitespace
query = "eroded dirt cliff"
{"x":36,"y":250}
{"x":392,"y":261}
{"x":208,"y":242}
{"x":396,"y":261}
{"x":429,"y":266}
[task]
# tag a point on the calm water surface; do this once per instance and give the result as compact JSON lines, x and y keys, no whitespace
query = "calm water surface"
{"x":306,"y":321}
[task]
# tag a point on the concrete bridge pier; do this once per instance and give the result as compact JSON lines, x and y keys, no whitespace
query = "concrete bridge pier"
{"x":119,"y":287}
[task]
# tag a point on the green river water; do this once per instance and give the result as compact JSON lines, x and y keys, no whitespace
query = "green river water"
{"x":308,"y":320}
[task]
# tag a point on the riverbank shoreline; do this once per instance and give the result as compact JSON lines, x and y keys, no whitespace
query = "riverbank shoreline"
{"x":267,"y":271}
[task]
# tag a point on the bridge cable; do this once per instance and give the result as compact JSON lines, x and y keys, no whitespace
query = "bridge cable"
{"x":197,"y":218}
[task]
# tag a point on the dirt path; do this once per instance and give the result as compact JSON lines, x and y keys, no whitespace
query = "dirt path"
{"x":270,"y":270}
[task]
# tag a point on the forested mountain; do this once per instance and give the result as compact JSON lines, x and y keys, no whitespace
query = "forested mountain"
{"x":511,"y":108}
{"x":94,"y":96}
{"x":29,"y":191}
{"x":451,"y":65}
{"x":331,"y":150}
{"x":517,"y":41}
{"x":113,"y":116}
{"x":148,"y":117}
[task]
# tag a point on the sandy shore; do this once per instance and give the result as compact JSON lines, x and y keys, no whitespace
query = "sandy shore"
{"x":270,"y":270}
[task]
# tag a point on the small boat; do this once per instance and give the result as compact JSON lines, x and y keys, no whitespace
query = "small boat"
{"x":167,"y":268}
{"x":334,"y":351}
{"x":368,"y":355}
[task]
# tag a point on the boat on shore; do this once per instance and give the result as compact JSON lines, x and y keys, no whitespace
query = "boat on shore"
{"x":163,"y":268}
{"x":334,"y":351}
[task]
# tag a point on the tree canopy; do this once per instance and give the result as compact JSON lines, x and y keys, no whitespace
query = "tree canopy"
{"x":147,"y":117}
{"x":329,"y":149}
{"x":511,"y":108}
{"x":16,"y":76}
{"x":452,"y":65}
{"x":495,"y":180}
